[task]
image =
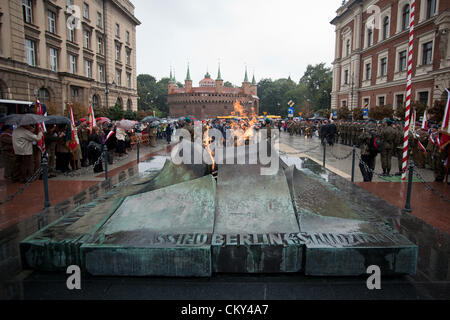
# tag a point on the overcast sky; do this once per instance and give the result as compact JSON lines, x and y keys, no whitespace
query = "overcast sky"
{"x":274,"y":38}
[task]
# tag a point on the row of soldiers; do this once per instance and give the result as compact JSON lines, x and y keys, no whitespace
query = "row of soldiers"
{"x":304,"y":128}
{"x":423,"y":144}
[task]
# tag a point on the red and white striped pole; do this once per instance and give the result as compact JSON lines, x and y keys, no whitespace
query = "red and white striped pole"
{"x":408,"y":90}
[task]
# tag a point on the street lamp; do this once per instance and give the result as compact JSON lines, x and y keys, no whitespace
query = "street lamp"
{"x":279,"y":109}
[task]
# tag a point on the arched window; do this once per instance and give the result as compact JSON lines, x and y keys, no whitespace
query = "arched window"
{"x":44,"y":95}
{"x":129,"y":103}
{"x":3,"y":90}
{"x":95,"y":101}
{"x":405,"y":19}
{"x":369,"y":37}
{"x":385,"y":28}
{"x":119,"y":101}
{"x":348,"y":47}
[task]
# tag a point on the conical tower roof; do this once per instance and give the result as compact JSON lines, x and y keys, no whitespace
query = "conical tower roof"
{"x":219,"y":76}
{"x":188,"y":75}
{"x":246,"y":76}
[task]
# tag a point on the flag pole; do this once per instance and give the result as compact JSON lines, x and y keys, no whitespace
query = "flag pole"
{"x":408,"y":90}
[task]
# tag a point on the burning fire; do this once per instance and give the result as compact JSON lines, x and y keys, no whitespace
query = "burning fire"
{"x":207,"y":142}
{"x":243,"y":128}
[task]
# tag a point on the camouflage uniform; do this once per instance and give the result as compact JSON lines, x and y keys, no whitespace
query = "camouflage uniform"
{"x":439,"y":156}
{"x":399,"y":148}
{"x":388,"y":137}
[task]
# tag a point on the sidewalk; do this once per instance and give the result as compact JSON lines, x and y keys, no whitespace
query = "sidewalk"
{"x":425,"y":205}
{"x":61,"y":188}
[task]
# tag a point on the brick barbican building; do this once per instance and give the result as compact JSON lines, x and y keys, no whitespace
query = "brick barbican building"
{"x":370,"y":66}
{"x":93,"y":63}
{"x":211,"y":98}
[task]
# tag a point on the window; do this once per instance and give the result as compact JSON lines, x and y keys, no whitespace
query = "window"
{"x":99,"y":20}
{"x":369,"y":37}
{"x":385,"y":28}
{"x":51,"y":22}
{"x":366,"y":102}
{"x":128,"y":37}
{"x":85,"y":10}
{"x":128,"y":57}
{"x":101,"y":73}
{"x":100,"y":45}
{"x":117,"y":30}
{"x":117,"y":51}
{"x":27,"y":7}
{"x":427,"y":52}
{"x":88,"y":67}
{"x":73,"y":64}
{"x":431,"y":8}
{"x":383,"y":67}
{"x":118,"y":77}
{"x":400,"y":100}
{"x":129,"y":105}
{"x":348,"y":47}
{"x":129,"y":80}
{"x":75,"y":92}
{"x":31,"y":52}
{"x":423,"y":97}
{"x":95,"y":101}
{"x":381,"y":101}
{"x":53,"y":59}
{"x":346,"y":77}
{"x":405,"y":17}
{"x":87,"y":39}
{"x":344,"y":103}
{"x":72,"y":35}
{"x":368,"y":71}
{"x":44,"y":95}
{"x":402,"y":61}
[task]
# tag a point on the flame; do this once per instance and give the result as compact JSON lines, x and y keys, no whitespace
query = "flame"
{"x":207,"y":142}
{"x":243,"y":128}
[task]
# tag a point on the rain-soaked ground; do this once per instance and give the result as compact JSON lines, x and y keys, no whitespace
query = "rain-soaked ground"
{"x":432,"y":280}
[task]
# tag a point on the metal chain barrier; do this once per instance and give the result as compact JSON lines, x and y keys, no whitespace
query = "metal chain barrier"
{"x":301,"y":151}
{"x":85,"y":170}
{"x":379,"y":175}
{"x":22,"y":188}
{"x":341,"y":158}
{"x":433,"y":190}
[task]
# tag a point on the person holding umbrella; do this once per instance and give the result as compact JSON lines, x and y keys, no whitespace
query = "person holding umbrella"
{"x":6,"y":146}
{"x":23,"y":138}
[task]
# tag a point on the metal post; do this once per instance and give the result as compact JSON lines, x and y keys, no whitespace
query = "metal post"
{"x":324,"y":153}
{"x":353,"y":164}
{"x":45,"y":179}
{"x":410,"y":182}
{"x":106,"y":161}
{"x":138,"y":145}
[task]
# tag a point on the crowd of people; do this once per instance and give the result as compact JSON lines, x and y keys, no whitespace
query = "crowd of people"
{"x":21,"y":155}
{"x":380,"y":137}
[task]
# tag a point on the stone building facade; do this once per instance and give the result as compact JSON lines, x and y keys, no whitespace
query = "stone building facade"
{"x":69,"y":50}
{"x":370,"y":66}
{"x":211,"y":98}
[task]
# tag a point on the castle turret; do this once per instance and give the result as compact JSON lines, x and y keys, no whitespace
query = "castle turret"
{"x":246,"y":84}
{"x":219,"y":82}
{"x":172,"y":83}
{"x":188,"y":81}
{"x":254,"y":86}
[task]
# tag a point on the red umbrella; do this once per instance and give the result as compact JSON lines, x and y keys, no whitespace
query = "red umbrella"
{"x":83,"y":119}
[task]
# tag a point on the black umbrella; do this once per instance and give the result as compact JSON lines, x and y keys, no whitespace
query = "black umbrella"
{"x":150,"y":119}
{"x":56,"y":120}
{"x":23,"y":119}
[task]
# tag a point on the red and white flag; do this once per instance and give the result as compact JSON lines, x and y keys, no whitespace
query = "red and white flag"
{"x":92,"y":121}
{"x":40,"y":111}
{"x":422,"y":147}
{"x":109,"y":135}
{"x":425,"y":121}
{"x":445,"y":130}
{"x":74,"y":142}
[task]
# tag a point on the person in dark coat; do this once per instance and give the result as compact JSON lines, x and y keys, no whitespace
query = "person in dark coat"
{"x":95,"y":149}
{"x":169,"y":133}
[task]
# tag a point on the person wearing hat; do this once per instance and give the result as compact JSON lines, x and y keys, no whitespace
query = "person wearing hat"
{"x":153,"y":131}
{"x":189,"y":127}
{"x":388,"y":137}
{"x":398,"y":151}
{"x":268,"y":127}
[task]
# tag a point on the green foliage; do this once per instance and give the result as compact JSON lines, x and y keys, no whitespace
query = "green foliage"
{"x":130,"y":115}
{"x":381,"y":112}
{"x":116,"y":112}
{"x":419,"y":108}
{"x":228,"y":84}
{"x":358,"y":113}
{"x":153,"y":94}
{"x":311,"y":94}
{"x":324,"y":113}
{"x":436,"y":112}
{"x":343,"y":113}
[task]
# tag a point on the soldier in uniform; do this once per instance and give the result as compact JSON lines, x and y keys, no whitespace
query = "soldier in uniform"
{"x":399,"y":147}
{"x":367,"y":158}
{"x":439,"y":156}
{"x":422,"y":139}
{"x":388,"y":137}
{"x":152,"y":134}
{"x":189,"y":127}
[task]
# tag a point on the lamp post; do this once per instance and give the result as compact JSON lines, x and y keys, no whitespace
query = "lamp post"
{"x":279,"y":109}
{"x":351,"y":102}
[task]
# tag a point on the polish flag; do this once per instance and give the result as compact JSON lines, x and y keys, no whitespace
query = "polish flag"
{"x":74,"y":142}
{"x":425,"y":121}
{"x":92,"y":121}
{"x":40,"y":111}
{"x":421,"y":146}
{"x":445,"y":130}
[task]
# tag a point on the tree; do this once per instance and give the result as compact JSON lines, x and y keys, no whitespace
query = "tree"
{"x":79,"y":110}
{"x":52,"y":109}
{"x":436,"y":112}
{"x":343,"y":113}
{"x":381,"y":112}
{"x":116,"y":112}
{"x":130,"y":115}
{"x":318,"y":82}
{"x":153,"y":94}
{"x":358,"y":113}
{"x":228,"y":84}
